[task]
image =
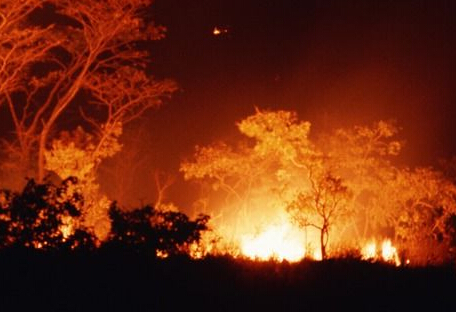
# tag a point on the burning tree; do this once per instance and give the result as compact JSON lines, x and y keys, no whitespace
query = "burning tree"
{"x":85,"y":53}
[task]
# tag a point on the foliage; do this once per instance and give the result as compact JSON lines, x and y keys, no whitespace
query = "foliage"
{"x":362,"y":156}
{"x":345,"y":180}
{"x":39,"y":216}
{"x":81,"y":50}
{"x":270,"y":171}
{"x":420,"y":205}
{"x":49,"y":217}
{"x":147,"y":229}
{"x":278,"y":133}
{"x":78,"y":154}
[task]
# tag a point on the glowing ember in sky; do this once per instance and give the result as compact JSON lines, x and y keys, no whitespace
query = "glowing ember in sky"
{"x":217,"y":31}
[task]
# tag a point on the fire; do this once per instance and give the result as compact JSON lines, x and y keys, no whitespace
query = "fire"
{"x":369,"y":251}
{"x":278,"y":241}
{"x":388,"y":252}
{"x":162,"y":254}
{"x":67,"y":228}
{"x":218,"y":30}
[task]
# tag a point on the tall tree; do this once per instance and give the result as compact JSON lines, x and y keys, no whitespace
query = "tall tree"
{"x":84,"y":48}
{"x":247,"y":174}
{"x":362,"y":156}
{"x":321,"y":206}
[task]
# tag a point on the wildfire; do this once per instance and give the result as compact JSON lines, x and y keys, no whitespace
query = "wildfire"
{"x":387,"y":253}
{"x":279,"y":242}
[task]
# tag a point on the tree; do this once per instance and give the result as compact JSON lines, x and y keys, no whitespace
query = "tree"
{"x":78,"y":154}
{"x":85,"y":50}
{"x":361,"y":156}
{"x":162,"y":232}
{"x":43,"y":216}
{"x":419,"y":205}
{"x":242,"y":179}
{"x":321,"y":206}
{"x":256,"y":177}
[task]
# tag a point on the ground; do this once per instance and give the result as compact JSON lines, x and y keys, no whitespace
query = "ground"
{"x":125,"y":282}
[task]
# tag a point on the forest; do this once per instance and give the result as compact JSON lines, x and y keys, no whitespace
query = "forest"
{"x":282,"y":217}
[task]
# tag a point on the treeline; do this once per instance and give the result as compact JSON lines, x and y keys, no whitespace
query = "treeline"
{"x":49,"y":217}
{"x":343,"y":187}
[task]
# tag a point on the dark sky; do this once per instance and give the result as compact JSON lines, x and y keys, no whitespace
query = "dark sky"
{"x":335,"y":62}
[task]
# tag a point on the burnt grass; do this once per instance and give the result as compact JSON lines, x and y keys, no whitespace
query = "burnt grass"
{"x":119,"y":281}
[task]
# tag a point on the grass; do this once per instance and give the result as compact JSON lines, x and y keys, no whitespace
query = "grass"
{"x":118,"y":281}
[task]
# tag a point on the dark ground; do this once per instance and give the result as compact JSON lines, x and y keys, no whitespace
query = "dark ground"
{"x":116,"y":281}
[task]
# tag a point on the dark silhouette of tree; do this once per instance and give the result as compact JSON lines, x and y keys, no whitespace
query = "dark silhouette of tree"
{"x":42,"y":216}
{"x":147,"y":229}
{"x":176,"y":231}
{"x":132,"y":229}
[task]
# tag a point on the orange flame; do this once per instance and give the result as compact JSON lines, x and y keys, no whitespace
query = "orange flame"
{"x":279,"y":242}
{"x":387,"y":253}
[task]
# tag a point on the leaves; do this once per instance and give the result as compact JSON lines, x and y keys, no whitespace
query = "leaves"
{"x":77,"y":154}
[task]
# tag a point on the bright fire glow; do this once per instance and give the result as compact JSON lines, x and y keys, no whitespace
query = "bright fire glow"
{"x":369,"y":251}
{"x":217,"y":31}
{"x":388,"y":252}
{"x":67,"y":227}
{"x":162,"y":254}
{"x":317,"y":255}
{"x":279,"y":242}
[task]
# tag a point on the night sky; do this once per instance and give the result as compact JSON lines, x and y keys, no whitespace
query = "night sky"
{"x":337,"y":63}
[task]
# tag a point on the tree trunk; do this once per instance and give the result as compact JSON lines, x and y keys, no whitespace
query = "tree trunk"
{"x":323,"y":241}
{"x":41,"y":160}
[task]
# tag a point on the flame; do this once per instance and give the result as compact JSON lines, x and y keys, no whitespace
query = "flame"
{"x":278,"y":242}
{"x":317,"y":255}
{"x":369,"y":251}
{"x":162,"y":254}
{"x":388,"y":252}
{"x":261,"y":234}
{"x":67,"y":227}
{"x":216,"y":31}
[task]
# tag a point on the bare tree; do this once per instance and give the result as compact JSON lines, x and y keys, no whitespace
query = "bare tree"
{"x":323,"y":205}
{"x":88,"y":48}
